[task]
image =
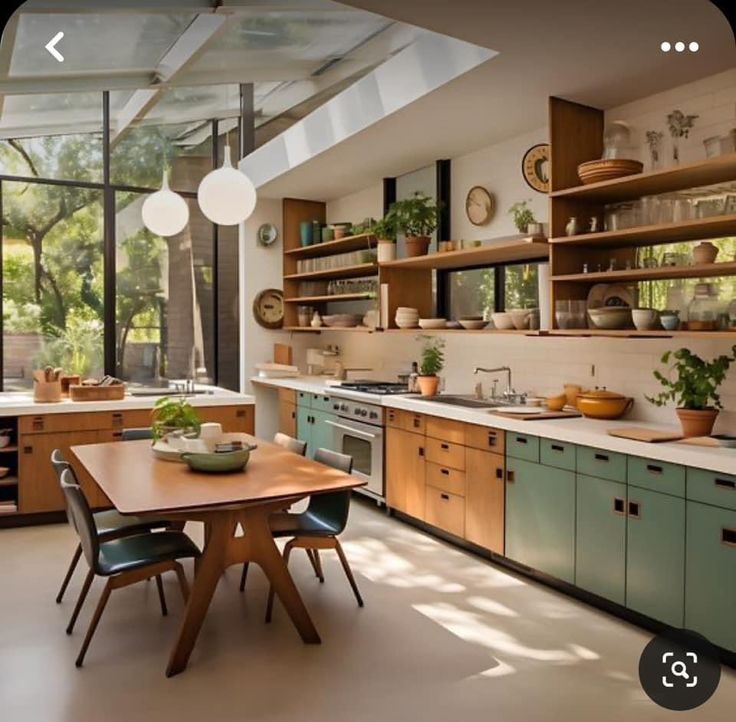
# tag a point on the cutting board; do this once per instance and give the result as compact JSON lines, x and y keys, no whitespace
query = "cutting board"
{"x":544,"y":415}
{"x":282,"y":354}
{"x":651,"y":436}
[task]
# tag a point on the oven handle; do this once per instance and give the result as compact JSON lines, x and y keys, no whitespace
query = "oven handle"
{"x":351,"y":429}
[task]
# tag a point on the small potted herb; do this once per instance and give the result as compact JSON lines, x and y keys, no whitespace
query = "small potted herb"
{"x":417,"y":219}
{"x":385,"y":233}
{"x":433,"y":361}
{"x":523,"y":216}
{"x":694,"y":389}
{"x":174,"y":415}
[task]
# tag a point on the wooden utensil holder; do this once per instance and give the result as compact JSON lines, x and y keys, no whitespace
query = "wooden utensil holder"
{"x":46,"y":392}
{"x":67,"y":381}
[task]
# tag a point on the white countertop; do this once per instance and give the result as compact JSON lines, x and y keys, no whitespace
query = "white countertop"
{"x":587,"y":432}
{"x":22,"y":404}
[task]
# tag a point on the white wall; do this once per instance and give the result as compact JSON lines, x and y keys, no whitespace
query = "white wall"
{"x":366,"y":203}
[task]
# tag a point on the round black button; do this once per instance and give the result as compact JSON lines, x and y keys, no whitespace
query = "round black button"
{"x":679,"y":669}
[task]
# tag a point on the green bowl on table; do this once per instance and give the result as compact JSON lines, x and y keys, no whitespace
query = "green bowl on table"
{"x":211,"y":463}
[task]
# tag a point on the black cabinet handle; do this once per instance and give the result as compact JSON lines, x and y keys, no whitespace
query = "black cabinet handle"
{"x":557,"y":447}
{"x":521,"y":440}
{"x":240,"y":413}
{"x":725,"y":483}
{"x":601,"y":457}
{"x":444,"y":446}
{"x":446,"y":472}
{"x":728,"y":537}
{"x":417,"y":422}
{"x":619,"y":505}
{"x":510,"y":477}
{"x":654,"y":469}
{"x":492,"y":438}
{"x":635,"y":509}
{"x":27,"y":449}
{"x":499,"y":473}
{"x":446,"y":497}
{"x":421,"y":451}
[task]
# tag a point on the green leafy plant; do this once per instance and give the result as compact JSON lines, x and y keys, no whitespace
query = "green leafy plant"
{"x":415,"y":216}
{"x":385,"y":229}
{"x":697,"y":381}
{"x":523,"y":215}
{"x":172,"y":414}
{"x":433,"y":357}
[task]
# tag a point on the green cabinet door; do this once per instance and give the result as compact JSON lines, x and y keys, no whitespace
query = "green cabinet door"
{"x":655,"y":555}
{"x":600,"y":541}
{"x":710,"y":591}
{"x":323,"y":433}
{"x":540,"y":517}
{"x":304,"y":426}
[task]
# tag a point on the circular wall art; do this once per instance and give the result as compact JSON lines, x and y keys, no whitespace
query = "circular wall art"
{"x":480,"y":206}
{"x":267,"y":234}
{"x":268,"y":308}
{"x":535,"y":167}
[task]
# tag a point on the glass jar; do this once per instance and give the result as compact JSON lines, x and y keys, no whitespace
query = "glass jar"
{"x":704,"y":309}
{"x":732,"y":314}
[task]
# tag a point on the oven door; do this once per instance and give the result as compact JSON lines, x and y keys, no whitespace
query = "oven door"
{"x":365,"y":444}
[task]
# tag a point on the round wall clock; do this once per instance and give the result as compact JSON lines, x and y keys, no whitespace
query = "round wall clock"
{"x":268,"y":308}
{"x":535,"y":167}
{"x":480,"y":206}
{"x":267,"y":234}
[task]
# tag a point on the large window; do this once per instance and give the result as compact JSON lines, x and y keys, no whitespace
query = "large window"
{"x":85,"y":285}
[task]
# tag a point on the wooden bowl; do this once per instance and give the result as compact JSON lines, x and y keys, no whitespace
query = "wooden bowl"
{"x":594,"y":171}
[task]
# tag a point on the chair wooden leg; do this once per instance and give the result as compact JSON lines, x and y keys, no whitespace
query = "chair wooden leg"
{"x":69,"y":573}
{"x":95,"y":620}
{"x":161,"y":595}
{"x":82,"y":596}
{"x":348,"y":572}
{"x":243,"y":577}
{"x":182,"y":577}
{"x":318,"y":564}
{"x":269,"y":603}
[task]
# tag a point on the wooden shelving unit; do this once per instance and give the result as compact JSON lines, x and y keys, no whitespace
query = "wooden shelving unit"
{"x":362,"y":242}
{"x":335,"y":329}
{"x":337,"y":297}
{"x":576,"y":135}
{"x":363,"y":269}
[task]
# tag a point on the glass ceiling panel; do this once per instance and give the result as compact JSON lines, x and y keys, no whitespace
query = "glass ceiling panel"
{"x":94,"y":43}
{"x":51,"y":114}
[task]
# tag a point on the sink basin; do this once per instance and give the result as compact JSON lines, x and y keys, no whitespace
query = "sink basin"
{"x":470,"y":402}
{"x":169,"y":392}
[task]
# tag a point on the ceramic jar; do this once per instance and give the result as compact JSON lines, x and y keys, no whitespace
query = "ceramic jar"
{"x":705,"y":252}
{"x":571,"y":229}
{"x":386,"y":251}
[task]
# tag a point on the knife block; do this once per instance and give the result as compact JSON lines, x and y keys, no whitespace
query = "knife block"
{"x":46,"y":392}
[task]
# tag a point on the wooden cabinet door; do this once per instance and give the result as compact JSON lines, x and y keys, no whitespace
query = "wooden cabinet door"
{"x":233,"y":418}
{"x":287,"y":418}
{"x":484,"y":499}
{"x":405,"y":472}
{"x":37,"y":483}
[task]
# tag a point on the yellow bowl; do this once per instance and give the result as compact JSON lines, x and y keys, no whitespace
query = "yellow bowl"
{"x":556,"y":403}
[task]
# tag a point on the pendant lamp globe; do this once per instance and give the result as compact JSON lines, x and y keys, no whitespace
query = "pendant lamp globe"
{"x":227,"y":196}
{"x":164,"y":212}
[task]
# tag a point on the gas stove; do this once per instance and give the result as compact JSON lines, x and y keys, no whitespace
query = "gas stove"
{"x":379,"y":388}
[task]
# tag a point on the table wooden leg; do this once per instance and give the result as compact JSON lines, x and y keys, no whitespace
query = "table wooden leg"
{"x":263,"y":551}
{"x":212,"y":564}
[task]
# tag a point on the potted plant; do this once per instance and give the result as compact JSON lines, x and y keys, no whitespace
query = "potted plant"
{"x":694,"y":389}
{"x":433,"y":361}
{"x":522,"y":215}
{"x":417,"y":219}
{"x":385,"y":233}
{"x":174,"y":415}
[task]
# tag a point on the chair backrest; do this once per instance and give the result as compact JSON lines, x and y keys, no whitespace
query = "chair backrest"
{"x":81,"y":517}
{"x":290,"y":443}
{"x":59,"y":463}
{"x":334,"y":506}
{"x":136,"y":434}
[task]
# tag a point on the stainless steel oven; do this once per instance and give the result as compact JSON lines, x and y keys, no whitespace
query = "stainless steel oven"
{"x":358,"y":432}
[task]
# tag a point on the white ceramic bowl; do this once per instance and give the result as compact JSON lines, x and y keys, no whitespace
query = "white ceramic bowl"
{"x":611,"y":317}
{"x":645,"y":319}
{"x":4,"y":441}
{"x":407,"y":324}
{"x":472,"y":324}
{"x":429,"y":323}
{"x":407,"y":310}
{"x":520,"y":317}
{"x":502,"y":321}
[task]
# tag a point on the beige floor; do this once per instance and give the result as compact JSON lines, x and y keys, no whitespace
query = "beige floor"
{"x":443,"y":636}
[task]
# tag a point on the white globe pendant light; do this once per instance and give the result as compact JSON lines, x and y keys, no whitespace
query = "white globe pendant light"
{"x":227,"y":196}
{"x":164,"y":212}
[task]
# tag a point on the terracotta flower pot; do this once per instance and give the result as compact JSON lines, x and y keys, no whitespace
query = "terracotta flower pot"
{"x":697,"y":422}
{"x":417,"y":246}
{"x":428,"y":385}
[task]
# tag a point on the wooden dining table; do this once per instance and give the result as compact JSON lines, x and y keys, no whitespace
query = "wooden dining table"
{"x":139,"y":483}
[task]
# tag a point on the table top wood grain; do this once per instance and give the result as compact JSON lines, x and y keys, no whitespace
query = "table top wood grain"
{"x":137,"y":482}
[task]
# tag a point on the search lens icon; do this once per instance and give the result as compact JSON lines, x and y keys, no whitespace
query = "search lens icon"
{"x":679,"y":669}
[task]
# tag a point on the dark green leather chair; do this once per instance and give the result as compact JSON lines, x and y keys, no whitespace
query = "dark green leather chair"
{"x":319,"y":525}
{"x":109,"y":524}
{"x":136,"y":434}
{"x":122,"y":561}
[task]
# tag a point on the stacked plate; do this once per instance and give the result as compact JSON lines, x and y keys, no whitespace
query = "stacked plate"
{"x":430,"y":323}
{"x":473,"y":323}
{"x":594,"y":171}
{"x":407,"y":317}
{"x":342,"y":320}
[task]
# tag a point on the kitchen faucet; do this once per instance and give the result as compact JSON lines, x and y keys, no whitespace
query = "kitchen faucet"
{"x":509,"y":394}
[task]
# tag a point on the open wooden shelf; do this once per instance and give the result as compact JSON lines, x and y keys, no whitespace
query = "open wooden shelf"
{"x":9,"y":481}
{"x":340,"y":329}
{"x":703,"y":270}
{"x":693,"y":230}
{"x":362,"y":242}
{"x":503,"y":251}
{"x":330,"y":299}
{"x":633,"y":333}
{"x":486,"y":331}
{"x":692,"y":175}
{"x":8,"y":449}
{"x":364,"y":269}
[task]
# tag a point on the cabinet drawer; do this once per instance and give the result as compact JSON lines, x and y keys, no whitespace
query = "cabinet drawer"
{"x":445,"y":453}
{"x":446,"y":429}
{"x":446,"y":479}
{"x":320,"y":402}
{"x":136,"y":418}
{"x":656,"y":475}
{"x":484,"y":438}
{"x":406,"y":420}
{"x":557,"y":453}
{"x":522,"y":446}
{"x":711,"y":487}
{"x":80,"y":421}
{"x":445,"y":511}
{"x":601,"y":464}
{"x":304,"y":398}
{"x":287,"y":395}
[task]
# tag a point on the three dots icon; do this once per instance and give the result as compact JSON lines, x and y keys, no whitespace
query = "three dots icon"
{"x":679,"y":46}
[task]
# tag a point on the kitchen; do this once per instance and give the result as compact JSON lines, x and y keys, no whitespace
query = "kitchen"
{"x":499,"y":302}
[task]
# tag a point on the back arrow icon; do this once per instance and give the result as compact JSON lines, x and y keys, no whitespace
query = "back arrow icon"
{"x":51,"y":46}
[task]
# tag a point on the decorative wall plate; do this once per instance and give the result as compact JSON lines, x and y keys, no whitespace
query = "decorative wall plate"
{"x":268,"y":308}
{"x":535,"y":167}
{"x":480,"y":206}
{"x":267,"y":234}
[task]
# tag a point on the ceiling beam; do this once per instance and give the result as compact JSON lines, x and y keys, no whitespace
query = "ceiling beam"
{"x":6,"y":51}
